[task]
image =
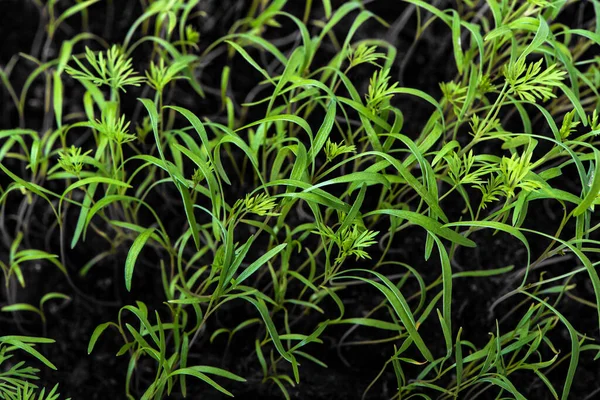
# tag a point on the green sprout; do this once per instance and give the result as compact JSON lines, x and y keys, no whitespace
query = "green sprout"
{"x":333,"y":150}
{"x":72,"y":160}
{"x":380,"y":91}
{"x":159,"y":75}
{"x":362,"y":54}
{"x":529,"y":82}
{"x":454,"y":94}
{"x":110,"y":68}
{"x":115,"y":128}
{"x":261,"y":204}
{"x":266,"y":197}
{"x":568,"y":125}
{"x":191,"y":34}
{"x":514,"y":171}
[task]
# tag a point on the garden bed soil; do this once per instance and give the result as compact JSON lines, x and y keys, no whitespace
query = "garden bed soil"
{"x":101,"y":375}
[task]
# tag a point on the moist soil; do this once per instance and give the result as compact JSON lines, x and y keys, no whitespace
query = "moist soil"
{"x":101,"y":293}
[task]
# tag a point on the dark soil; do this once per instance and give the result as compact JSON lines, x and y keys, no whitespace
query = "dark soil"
{"x":101,"y":375}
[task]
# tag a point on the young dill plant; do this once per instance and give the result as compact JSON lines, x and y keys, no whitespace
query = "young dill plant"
{"x":363,"y":53}
{"x":261,"y":205}
{"x":110,"y":68}
{"x":380,"y":92}
{"x":514,"y":171}
{"x":353,"y":241}
{"x":333,"y":150}
{"x":460,"y":170}
{"x":529,"y":82}
{"x":198,"y":176}
{"x":491,"y":191}
{"x":159,"y":75}
{"x":114,"y":128}
{"x":17,"y":376}
{"x":568,"y":125}
{"x":455,"y":94}
{"x":192,"y":36}
{"x":481,"y":128}
{"x":350,"y":241}
{"x":72,"y":160}
{"x":165,"y":197}
{"x":511,"y":174}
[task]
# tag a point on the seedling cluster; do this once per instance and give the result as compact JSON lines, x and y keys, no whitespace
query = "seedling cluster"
{"x":286,"y":196}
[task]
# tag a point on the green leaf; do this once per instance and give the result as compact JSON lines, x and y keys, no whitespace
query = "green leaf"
{"x":396,"y":299}
{"x":69,"y":12}
{"x":189,"y":212}
{"x":456,"y":42}
{"x":429,"y":224}
{"x":92,"y":180}
{"x":502,"y":227}
{"x":250,"y":60}
{"x":446,"y":286}
{"x":16,"y":342}
{"x":197,"y":372}
{"x":322,"y":134}
{"x":540,"y":37}
{"x":96,"y":334}
{"x":594,"y":189}
{"x":57,"y":97}
{"x":262,"y":260}
{"x":134,"y":251}
{"x":196,"y":123}
{"x":53,"y":296}
{"x":374,"y":323}
{"x":21,"y":307}
{"x":483,"y":273}
{"x":264,"y":313}
{"x":575,"y":102}
{"x":83,"y":213}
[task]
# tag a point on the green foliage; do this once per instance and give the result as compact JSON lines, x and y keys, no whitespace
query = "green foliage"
{"x":316,"y":181}
{"x":363,"y":53}
{"x":114,"y":128}
{"x":527,"y":82}
{"x":16,"y":377}
{"x":110,"y":68}
{"x":333,"y":150}
{"x":71,"y":159}
{"x":380,"y":91}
